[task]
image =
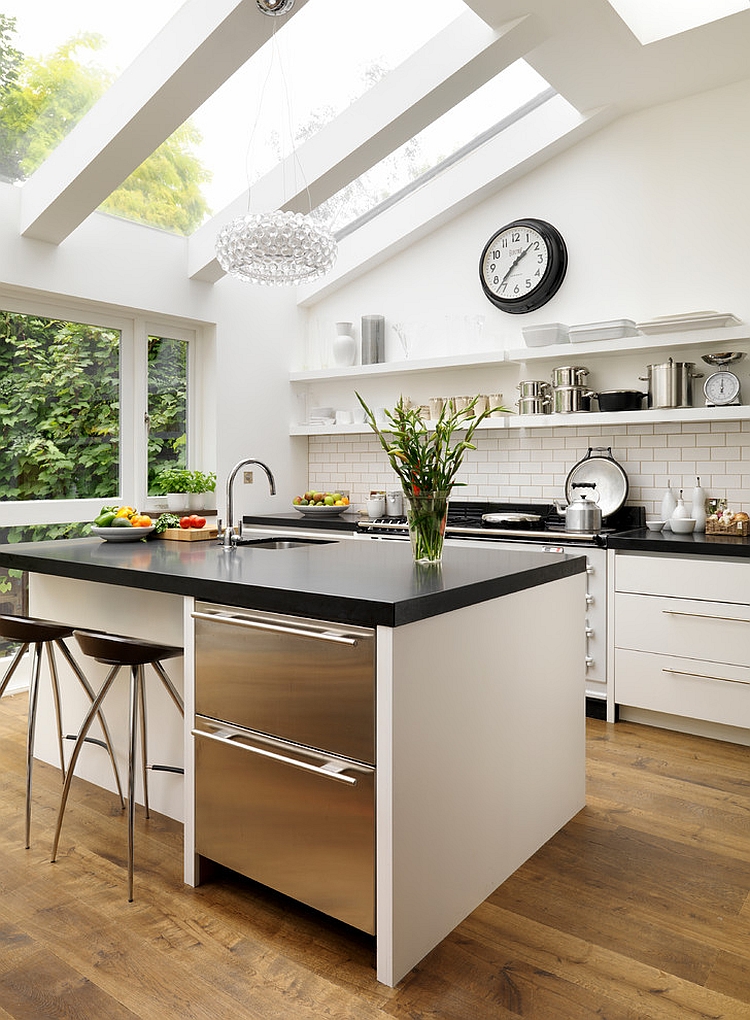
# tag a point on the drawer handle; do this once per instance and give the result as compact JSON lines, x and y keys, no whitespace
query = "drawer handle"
{"x":704,"y":676}
{"x":327,"y":770}
{"x":704,"y":616}
{"x":238,"y":621}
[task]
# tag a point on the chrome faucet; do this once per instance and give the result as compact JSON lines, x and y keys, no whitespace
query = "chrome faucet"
{"x":229,"y":537}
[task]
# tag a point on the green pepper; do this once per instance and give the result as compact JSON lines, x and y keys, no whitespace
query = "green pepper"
{"x":104,"y":520}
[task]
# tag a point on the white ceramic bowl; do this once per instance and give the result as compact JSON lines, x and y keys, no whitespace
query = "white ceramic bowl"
{"x":545,"y":333}
{"x":121,"y":534}
{"x":682,"y":525}
{"x":654,"y":525}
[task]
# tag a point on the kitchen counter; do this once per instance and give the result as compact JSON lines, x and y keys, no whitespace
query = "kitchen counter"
{"x":347,"y":582}
{"x":666,"y":543}
{"x":479,"y":695}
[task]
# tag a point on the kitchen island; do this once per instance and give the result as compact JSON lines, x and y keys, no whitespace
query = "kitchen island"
{"x":479,"y":716}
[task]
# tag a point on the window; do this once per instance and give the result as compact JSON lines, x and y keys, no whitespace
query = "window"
{"x":167,"y":411}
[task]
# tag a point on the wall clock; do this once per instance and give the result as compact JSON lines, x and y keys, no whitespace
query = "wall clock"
{"x":523,"y":265}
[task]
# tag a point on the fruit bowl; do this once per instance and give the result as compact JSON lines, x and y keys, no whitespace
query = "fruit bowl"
{"x":320,"y":510}
{"x":121,"y":534}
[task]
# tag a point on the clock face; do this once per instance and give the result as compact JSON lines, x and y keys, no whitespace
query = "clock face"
{"x":721,"y":388}
{"x":523,"y":265}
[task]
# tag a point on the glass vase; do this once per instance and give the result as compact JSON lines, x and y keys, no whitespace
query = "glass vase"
{"x":426,"y":514}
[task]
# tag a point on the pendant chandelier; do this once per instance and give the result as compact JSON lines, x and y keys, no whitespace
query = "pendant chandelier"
{"x":275,"y":248}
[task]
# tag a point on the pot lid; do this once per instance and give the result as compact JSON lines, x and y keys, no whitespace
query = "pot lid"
{"x":600,"y":469}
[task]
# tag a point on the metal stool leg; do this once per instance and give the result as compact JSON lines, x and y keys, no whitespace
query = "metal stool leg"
{"x":30,"y":732}
{"x":136,"y":708}
{"x":85,"y":726}
{"x":55,"y":682}
{"x":144,"y":743}
{"x":13,"y":667}
{"x":100,"y":715}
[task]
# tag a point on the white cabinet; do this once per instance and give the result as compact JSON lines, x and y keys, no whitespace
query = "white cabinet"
{"x":682,"y":636}
{"x":537,"y":362}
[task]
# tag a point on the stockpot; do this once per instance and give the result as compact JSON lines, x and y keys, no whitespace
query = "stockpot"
{"x":569,"y":375}
{"x":569,"y":399}
{"x":534,"y":405}
{"x":533,"y":388}
{"x":670,"y":384}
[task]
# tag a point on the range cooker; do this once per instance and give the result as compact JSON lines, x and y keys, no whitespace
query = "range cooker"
{"x":467,"y":523}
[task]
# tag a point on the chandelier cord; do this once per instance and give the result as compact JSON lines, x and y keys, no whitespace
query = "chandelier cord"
{"x":257,"y":115}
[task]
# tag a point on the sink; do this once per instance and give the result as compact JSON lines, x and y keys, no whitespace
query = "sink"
{"x":283,"y":543}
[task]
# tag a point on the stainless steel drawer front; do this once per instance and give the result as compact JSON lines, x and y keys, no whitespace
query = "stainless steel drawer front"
{"x":290,"y":818}
{"x":304,"y":681}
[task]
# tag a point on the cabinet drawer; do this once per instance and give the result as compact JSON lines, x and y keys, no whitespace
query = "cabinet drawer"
{"x":696,"y":689}
{"x":697,"y":577}
{"x":694,"y":629}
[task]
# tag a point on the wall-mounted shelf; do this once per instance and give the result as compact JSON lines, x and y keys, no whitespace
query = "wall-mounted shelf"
{"x":556,"y":352}
{"x":585,"y":419}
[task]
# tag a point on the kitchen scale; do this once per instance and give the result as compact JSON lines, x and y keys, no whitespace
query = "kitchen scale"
{"x":722,"y":388}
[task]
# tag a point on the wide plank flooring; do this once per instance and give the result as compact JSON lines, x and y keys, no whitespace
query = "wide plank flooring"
{"x":638,"y":908}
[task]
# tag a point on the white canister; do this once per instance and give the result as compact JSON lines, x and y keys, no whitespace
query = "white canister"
{"x":394,"y":504}
{"x":375,"y":506}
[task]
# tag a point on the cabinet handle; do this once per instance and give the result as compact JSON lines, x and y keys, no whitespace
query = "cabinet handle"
{"x":279,"y":628}
{"x":704,"y":616}
{"x":327,"y":770}
{"x":704,"y":676}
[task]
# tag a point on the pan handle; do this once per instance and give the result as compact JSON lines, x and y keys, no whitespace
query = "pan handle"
{"x":600,"y":449}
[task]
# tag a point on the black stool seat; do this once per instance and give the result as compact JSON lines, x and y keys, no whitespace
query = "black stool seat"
{"x":47,"y":635}
{"x":115,"y":650}
{"x":27,"y":628}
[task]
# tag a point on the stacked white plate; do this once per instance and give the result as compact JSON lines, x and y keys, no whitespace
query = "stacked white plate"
{"x":612,"y":329}
{"x":689,"y":320}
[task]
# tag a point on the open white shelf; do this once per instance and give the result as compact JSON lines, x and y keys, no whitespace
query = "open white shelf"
{"x":584,"y":419}
{"x":385,"y":368}
{"x":629,"y":344}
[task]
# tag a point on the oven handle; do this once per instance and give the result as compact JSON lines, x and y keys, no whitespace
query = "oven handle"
{"x":239,"y":621}
{"x":328,"y":770}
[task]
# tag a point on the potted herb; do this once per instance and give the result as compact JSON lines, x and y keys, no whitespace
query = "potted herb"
{"x":427,"y":461}
{"x":201,"y":485}
{"x":173,"y":482}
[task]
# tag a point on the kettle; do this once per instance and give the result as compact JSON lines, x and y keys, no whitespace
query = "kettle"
{"x":583,"y":512}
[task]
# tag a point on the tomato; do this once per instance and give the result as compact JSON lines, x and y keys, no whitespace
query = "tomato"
{"x":194,"y":518}
{"x":185,"y":522}
{"x":200,"y":522}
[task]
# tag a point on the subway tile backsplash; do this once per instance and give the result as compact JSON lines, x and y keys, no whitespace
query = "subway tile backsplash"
{"x":532,"y":464}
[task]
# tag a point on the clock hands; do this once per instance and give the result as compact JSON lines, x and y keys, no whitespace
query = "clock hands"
{"x":513,"y":266}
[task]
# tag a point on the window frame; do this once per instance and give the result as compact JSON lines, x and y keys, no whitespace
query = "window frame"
{"x":134,"y":331}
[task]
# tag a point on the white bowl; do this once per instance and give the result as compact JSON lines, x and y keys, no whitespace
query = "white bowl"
{"x":654,"y":525}
{"x":121,"y":534}
{"x":682,"y":525}
{"x":545,"y":333}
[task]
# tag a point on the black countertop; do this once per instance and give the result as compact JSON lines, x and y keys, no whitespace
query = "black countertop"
{"x":364,"y":583}
{"x":666,"y":542}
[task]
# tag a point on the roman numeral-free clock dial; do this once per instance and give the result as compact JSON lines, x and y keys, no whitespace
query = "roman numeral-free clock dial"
{"x":523,"y":265}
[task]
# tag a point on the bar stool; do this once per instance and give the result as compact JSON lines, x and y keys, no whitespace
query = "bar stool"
{"x":46,"y":634}
{"x":117,"y":651}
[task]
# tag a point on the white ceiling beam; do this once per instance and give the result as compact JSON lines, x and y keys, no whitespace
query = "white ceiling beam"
{"x":196,"y":51}
{"x":448,"y":68}
{"x":510,"y":154}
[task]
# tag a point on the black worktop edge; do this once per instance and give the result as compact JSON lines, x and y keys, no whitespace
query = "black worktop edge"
{"x":693,"y":544}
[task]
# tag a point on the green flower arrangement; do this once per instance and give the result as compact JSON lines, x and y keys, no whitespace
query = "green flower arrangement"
{"x":427,"y":460}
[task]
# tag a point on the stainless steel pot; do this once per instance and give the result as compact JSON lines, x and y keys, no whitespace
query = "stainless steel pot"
{"x":670,"y":384}
{"x":569,"y":375}
{"x":533,"y":388}
{"x":534,"y":405}
{"x":568,"y":399}
{"x":583,"y":512}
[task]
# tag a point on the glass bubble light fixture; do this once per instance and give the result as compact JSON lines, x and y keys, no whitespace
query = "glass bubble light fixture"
{"x":275,"y":248}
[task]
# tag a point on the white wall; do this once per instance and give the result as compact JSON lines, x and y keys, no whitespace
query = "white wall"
{"x":655,"y":211}
{"x":108,"y":263}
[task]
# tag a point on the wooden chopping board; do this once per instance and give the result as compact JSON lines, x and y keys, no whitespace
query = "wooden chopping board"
{"x":190,"y":534}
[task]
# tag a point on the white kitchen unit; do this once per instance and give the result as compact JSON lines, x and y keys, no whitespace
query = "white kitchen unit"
{"x":681,"y":650}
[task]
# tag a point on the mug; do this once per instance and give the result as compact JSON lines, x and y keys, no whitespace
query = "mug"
{"x":496,"y":400}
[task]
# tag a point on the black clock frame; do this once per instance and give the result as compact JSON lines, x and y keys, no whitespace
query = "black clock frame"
{"x":554,"y":274}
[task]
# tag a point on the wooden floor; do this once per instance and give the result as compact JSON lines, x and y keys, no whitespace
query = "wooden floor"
{"x":639,"y":907}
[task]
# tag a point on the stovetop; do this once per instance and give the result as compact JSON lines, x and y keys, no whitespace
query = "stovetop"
{"x":465,"y":521}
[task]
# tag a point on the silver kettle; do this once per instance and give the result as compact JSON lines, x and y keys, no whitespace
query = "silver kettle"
{"x":583,"y":512}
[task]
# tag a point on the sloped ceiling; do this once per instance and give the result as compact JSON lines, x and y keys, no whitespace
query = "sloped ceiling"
{"x":581,"y":47}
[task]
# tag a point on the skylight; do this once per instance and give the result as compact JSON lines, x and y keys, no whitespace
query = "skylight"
{"x":650,"y":21}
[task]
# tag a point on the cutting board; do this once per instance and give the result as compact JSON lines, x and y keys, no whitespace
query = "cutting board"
{"x":190,"y":534}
